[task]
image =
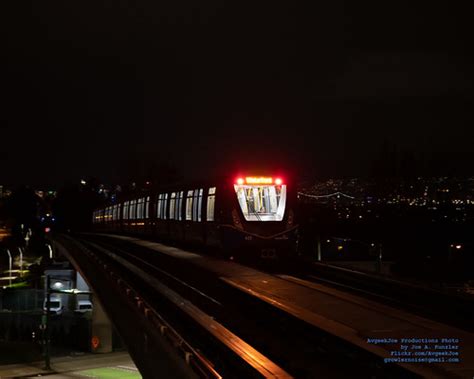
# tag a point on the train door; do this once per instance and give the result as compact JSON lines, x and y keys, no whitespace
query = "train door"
{"x":194,"y":226}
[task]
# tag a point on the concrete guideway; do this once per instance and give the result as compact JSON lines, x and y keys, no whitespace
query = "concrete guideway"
{"x":72,"y":367}
{"x":349,"y":317}
{"x":147,"y":346}
{"x":251,"y":356}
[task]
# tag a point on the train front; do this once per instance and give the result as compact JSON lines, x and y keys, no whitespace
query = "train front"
{"x":262,"y":217}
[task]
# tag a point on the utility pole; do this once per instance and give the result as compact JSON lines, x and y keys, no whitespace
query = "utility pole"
{"x":45,"y":324}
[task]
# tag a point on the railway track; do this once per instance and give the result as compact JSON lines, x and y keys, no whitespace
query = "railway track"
{"x":448,"y":308}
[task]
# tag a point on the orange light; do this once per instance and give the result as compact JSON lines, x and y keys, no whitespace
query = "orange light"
{"x":258,"y":180}
{"x":240,"y":181}
{"x":278,"y":181}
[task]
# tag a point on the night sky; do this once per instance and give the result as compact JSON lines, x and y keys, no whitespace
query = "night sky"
{"x":110,"y":88}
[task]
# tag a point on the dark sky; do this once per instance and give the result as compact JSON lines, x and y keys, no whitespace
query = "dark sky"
{"x":93,"y":88}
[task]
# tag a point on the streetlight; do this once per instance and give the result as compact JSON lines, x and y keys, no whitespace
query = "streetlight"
{"x":21,"y":261}
{"x":10,"y":262}
{"x":50,"y":251}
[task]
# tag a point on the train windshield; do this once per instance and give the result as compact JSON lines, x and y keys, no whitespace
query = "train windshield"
{"x":261,"y":202}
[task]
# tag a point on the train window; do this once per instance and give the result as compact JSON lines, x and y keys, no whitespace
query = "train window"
{"x":211,"y":200}
{"x":125,"y":210}
{"x":140,"y":208}
{"x":158,"y":205}
{"x":199,"y":210}
{"x":195,"y":204}
{"x":262,"y":202}
{"x":147,"y":207}
{"x":163,"y":204}
{"x":179,"y":206}
{"x":172,"y":205}
{"x":133,"y":209}
{"x":189,"y":205}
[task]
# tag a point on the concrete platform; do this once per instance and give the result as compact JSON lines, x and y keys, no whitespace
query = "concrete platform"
{"x":75,"y":367}
{"x":355,"y":319}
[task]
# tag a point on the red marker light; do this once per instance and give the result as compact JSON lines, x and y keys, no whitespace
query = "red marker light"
{"x":278,"y":181}
{"x":240,"y":181}
{"x":47,"y":230}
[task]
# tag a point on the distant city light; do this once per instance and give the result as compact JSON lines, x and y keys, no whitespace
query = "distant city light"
{"x":83,"y":182}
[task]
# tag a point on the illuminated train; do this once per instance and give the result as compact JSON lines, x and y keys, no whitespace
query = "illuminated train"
{"x":251,"y":215}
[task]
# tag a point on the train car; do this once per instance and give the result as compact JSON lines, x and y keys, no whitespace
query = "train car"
{"x":242,"y":216}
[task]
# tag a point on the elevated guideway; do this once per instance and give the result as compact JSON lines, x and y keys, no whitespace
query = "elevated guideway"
{"x":350,"y":320}
{"x":148,"y":335}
